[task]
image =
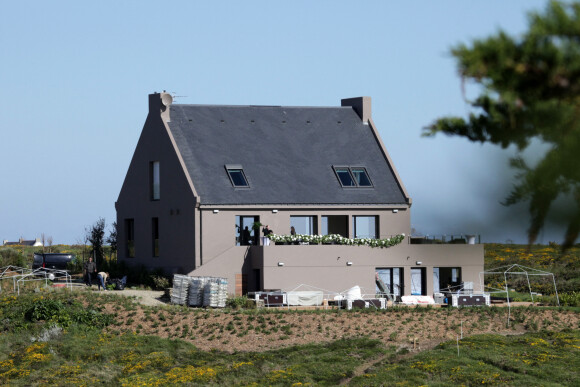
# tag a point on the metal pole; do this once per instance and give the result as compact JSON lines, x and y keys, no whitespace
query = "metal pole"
{"x":556,"y":290}
{"x":507,"y":298}
{"x":529,"y":287}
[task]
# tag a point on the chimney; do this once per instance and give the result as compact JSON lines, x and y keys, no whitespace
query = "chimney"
{"x":159,"y":104}
{"x":361,"y":105}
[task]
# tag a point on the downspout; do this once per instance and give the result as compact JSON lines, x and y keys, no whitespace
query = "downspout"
{"x":200,"y":237}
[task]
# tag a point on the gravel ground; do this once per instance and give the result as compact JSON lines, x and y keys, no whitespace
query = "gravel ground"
{"x":144,"y":297}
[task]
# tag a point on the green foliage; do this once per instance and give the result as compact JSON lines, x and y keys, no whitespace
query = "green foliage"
{"x":112,"y":238}
{"x":160,"y":282}
{"x":570,"y":299}
{"x":338,"y":239}
{"x":565,"y":266}
{"x":530,"y":89}
{"x":27,"y":311}
{"x":542,"y":358}
{"x":13,"y":256}
{"x":95,"y":235}
{"x":241,"y":302}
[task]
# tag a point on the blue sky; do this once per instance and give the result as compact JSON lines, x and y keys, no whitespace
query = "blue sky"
{"x":76,"y":75}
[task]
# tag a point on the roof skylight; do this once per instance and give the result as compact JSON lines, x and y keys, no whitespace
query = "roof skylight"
{"x":237,"y":176}
{"x":353,"y":176}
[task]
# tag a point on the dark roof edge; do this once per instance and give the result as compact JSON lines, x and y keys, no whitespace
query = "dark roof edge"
{"x":263,"y":106}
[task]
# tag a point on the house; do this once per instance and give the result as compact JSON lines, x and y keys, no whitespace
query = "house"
{"x":202,"y":174}
{"x":22,"y":242}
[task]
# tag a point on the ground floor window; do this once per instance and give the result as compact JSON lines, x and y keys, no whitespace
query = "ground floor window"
{"x":245,"y":233}
{"x":418,"y":285}
{"x":446,"y":277}
{"x":389,"y":280}
{"x":130,"y":238}
{"x":155,"y":236}
{"x":304,"y":225}
{"x":365,"y":227}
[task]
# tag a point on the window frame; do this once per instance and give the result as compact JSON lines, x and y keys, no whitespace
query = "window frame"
{"x":237,"y":167}
{"x":351,"y":174}
{"x":354,"y":228}
{"x":312,"y":223}
{"x":366,"y":174}
{"x":336,"y":169}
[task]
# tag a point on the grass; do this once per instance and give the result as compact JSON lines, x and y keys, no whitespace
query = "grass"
{"x":53,"y":338}
{"x":566,"y":267}
{"x":544,"y":358}
{"x":80,"y":356}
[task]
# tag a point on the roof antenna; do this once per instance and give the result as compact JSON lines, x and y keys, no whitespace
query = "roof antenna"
{"x":174,"y":95}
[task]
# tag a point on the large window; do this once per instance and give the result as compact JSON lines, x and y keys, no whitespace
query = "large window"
{"x":237,"y":176}
{"x":418,"y":284}
{"x":334,"y":224}
{"x":245,"y":233}
{"x":155,"y":236}
{"x":365,"y":226}
{"x":130,"y":238}
{"x":154,"y":178}
{"x":446,"y":277}
{"x":305,"y":225}
{"x":389,"y":280}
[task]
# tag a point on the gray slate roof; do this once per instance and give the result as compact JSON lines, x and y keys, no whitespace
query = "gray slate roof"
{"x":287,"y":154}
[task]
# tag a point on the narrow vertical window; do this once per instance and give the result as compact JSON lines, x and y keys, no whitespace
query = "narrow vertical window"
{"x":155,"y":236}
{"x":154,"y":180}
{"x":130,"y":238}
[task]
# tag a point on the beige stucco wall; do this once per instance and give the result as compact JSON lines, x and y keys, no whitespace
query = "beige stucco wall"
{"x":218,"y":229}
{"x":220,"y":257}
{"x":325,"y":266}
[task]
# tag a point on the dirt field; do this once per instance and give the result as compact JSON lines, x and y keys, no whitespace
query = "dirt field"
{"x":415,"y":329}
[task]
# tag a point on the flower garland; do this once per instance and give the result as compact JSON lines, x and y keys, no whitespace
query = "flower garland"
{"x":338,"y":239}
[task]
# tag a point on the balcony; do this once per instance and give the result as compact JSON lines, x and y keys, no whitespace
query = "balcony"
{"x":461,"y":239}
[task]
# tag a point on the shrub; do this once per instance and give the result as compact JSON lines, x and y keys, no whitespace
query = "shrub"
{"x":11,"y":256}
{"x":241,"y":302}
{"x":160,"y":282}
{"x":570,"y":299}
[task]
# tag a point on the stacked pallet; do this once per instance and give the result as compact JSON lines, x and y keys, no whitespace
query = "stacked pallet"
{"x":180,"y":289}
{"x":222,"y":292}
{"x":199,"y":291}
{"x":196,"y":290}
{"x":210,"y":294}
{"x":216,"y":293}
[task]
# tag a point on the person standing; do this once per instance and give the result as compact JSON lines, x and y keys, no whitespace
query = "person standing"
{"x":266,"y":230}
{"x":245,"y":237}
{"x":90,"y":269}
{"x":102,"y":280}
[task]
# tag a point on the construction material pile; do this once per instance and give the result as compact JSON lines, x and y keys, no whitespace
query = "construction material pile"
{"x":199,"y":291}
{"x":215,"y":293}
{"x":180,"y":288}
{"x":196,"y":286}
